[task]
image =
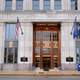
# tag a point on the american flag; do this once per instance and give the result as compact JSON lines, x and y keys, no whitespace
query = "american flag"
{"x":18,"y":27}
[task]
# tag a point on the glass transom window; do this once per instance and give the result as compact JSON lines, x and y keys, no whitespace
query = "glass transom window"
{"x":57,"y":4}
{"x":8,"y":5}
{"x":19,"y":4}
{"x":46,"y":5}
{"x":74,"y":5}
{"x":35,"y":5}
{"x":11,"y":44}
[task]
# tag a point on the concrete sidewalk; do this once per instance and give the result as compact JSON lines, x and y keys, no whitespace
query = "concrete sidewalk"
{"x":39,"y":73}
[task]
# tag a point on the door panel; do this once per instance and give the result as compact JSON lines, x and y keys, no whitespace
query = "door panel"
{"x":46,"y":48}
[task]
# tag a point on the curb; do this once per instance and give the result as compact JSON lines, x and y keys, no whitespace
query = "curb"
{"x":42,"y":73}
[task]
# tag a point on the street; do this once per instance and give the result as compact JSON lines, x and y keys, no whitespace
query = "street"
{"x":40,"y":78}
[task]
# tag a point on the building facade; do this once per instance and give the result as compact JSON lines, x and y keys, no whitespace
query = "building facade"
{"x":46,"y":41}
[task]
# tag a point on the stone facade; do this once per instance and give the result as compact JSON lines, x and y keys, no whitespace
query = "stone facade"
{"x":27,"y":17}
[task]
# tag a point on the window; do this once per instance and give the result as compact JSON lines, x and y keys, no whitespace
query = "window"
{"x":74,"y":5}
{"x":36,"y":5}
{"x":47,"y":5}
{"x":57,"y":4}
{"x":19,"y":4}
{"x":8,"y":5}
{"x":78,"y":25}
{"x":11,"y":44}
{"x":10,"y":32}
{"x":78,"y":45}
{"x":78,"y":52}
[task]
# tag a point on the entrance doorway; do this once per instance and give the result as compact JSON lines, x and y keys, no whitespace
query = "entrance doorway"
{"x":46,"y":45}
{"x":46,"y":63}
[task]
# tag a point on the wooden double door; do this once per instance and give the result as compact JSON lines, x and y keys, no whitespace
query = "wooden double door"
{"x":46,"y":43}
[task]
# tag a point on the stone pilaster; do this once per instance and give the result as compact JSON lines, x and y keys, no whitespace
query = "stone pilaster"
{"x":2,"y":32}
{"x":25,"y":4}
{"x":41,"y":5}
{"x":2,"y":5}
{"x":26,"y":46}
{"x":13,"y":4}
{"x":78,"y":4}
{"x":67,"y":46}
{"x":65,"y":4}
{"x":28,"y":4}
{"x":52,"y":5}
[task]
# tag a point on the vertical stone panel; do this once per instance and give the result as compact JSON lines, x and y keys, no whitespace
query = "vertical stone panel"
{"x":29,"y":41}
{"x":1,"y":44}
{"x":2,"y":5}
{"x":25,"y":6}
{"x":52,"y":5}
{"x":28,"y":5}
{"x":26,"y":46}
{"x":13,"y":4}
{"x":65,"y":4}
{"x":41,"y":5}
{"x":66,"y":48}
{"x":78,"y":4}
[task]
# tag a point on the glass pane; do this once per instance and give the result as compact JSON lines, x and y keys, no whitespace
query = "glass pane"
{"x":19,"y":4}
{"x":8,"y":5}
{"x":37,"y":51}
{"x":46,"y":35}
{"x":10,"y":55}
{"x":36,"y":5}
{"x":57,"y":5}
{"x":5,"y":54}
{"x":16,"y":55}
{"x":55,"y":50}
{"x":46,"y":5}
{"x":38,"y":35}
{"x":54,"y":35}
{"x":46,"y":50}
{"x":74,"y":4}
{"x":78,"y":52}
{"x":10,"y":31}
{"x":46,"y":2}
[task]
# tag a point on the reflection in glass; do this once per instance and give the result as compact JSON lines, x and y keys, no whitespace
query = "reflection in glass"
{"x":46,"y":51}
{"x":47,"y":5}
{"x":37,"y":51}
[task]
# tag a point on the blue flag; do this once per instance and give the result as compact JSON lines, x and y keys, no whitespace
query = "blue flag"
{"x":74,"y":31}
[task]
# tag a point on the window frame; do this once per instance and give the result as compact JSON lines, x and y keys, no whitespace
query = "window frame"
{"x":36,"y":5}
{"x":7,"y":6}
{"x":75,"y":5}
{"x":49,"y":5}
{"x":14,"y":47}
{"x":58,"y":5}
{"x":19,"y":6}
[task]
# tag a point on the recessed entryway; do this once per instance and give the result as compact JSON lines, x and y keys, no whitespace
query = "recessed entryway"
{"x":46,"y":45}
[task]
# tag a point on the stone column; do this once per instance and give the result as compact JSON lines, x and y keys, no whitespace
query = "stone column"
{"x":52,"y":4}
{"x":28,"y":4}
{"x":78,"y":4}
{"x":41,"y":5}
{"x":13,"y":4}
{"x":67,"y":46}
{"x":65,"y":4}
{"x":2,"y":32}
{"x":25,"y":2}
{"x":26,"y":46}
{"x":2,"y":5}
